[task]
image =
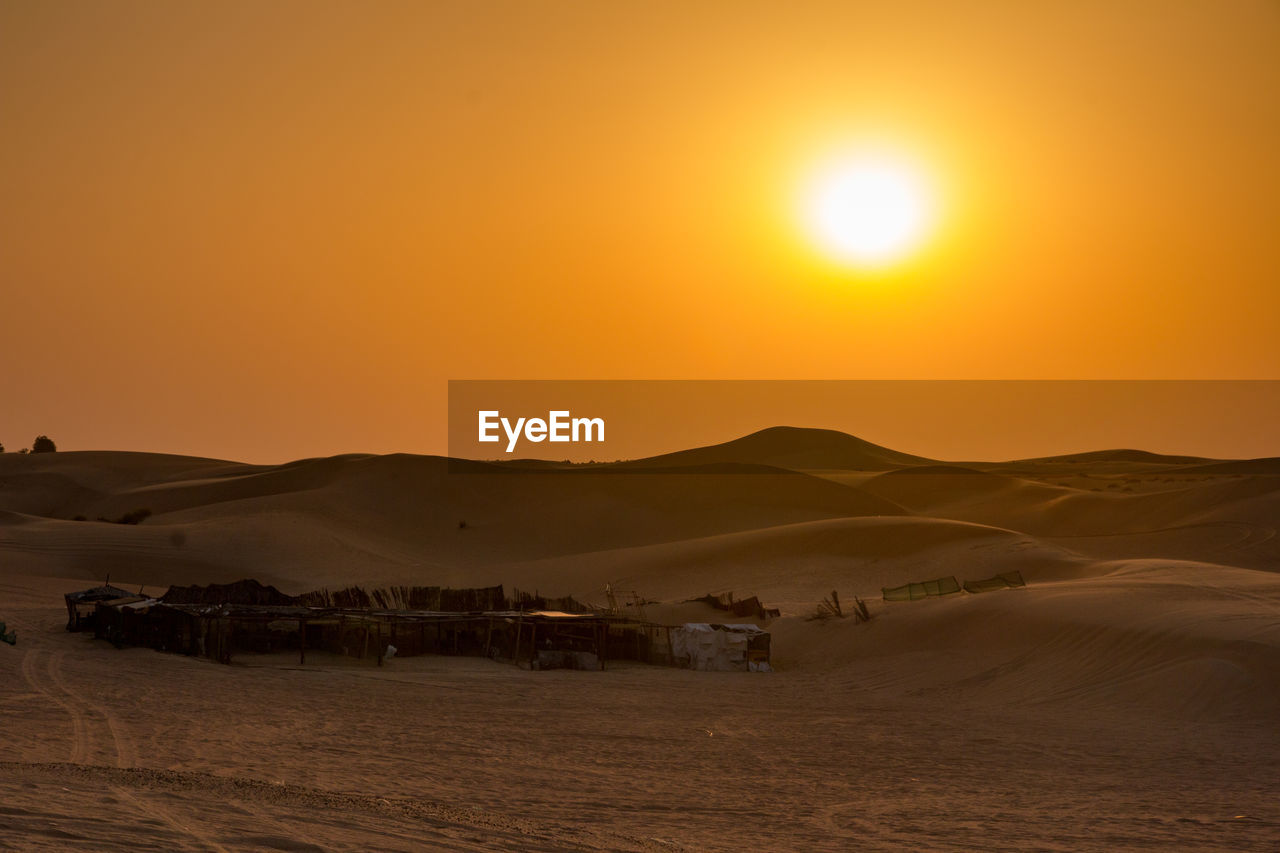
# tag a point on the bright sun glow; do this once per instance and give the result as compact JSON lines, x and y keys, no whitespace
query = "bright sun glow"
{"x":869,"y":211}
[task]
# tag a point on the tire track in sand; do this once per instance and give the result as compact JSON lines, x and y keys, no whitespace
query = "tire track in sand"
{"x":120,"y":747}
{"x":123,"y":753}
{"x":402,"y":819}
{"x":80,"y":739}
{"x":167,"y":816}
{"x":97,"y":729}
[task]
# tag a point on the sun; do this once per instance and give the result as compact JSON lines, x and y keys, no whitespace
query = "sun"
{"x":869,"y":211}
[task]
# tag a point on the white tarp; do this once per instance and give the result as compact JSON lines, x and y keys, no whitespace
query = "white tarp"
{"x":718,"y":648}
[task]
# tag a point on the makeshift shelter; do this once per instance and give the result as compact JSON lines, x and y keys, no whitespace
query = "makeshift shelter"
{"x":550,"y":639}
{"x":722,"y":648}
{"x":925,"y":589}
{"x":646,"y":642}
{"x":82,"y":605}
{"x":1004,"y":580}
{"x":127,"y":621}
{"x":220,"y":620}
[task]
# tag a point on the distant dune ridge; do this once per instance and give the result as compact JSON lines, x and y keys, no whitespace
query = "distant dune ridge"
{"x":403,"y":518}
{"x":792,"y":447}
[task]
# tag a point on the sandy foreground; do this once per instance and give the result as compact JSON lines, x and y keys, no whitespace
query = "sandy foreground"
{"x":1127,"y":698}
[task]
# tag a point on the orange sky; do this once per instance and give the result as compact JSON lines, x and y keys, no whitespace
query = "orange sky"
{"x":267,"y":231}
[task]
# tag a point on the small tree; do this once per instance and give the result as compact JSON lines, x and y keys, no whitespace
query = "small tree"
{"x":43,"y":444}
{"x":1,"y":448}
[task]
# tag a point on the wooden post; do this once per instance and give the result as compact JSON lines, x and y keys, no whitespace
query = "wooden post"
{"x":364,"y":651}
{"x":381,"y":648}
{"x":515,"y":653}
{"x":533,"y":643}
{"x":488,"y":637}
{"x":302,"y":641}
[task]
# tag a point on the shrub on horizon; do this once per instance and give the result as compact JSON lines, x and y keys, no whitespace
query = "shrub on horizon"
{"x":43,"y":444}
{"x":135,"y":517}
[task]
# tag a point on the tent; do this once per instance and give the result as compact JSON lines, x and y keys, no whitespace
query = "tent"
{"x":721,"y":648}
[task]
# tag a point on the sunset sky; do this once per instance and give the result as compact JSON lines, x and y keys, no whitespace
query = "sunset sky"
{"x":265,"y":231}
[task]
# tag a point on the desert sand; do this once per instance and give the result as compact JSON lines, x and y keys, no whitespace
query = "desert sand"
{"x":1127,"y":698}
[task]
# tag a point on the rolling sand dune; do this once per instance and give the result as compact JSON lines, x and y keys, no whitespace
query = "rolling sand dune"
{"x":388,"y":519}
{"x":794,"y":566}
{"x":791,"y":447}
{"x":1125,"y":699}
{"x":1228,"y":520}
{"x":1141,"y":457}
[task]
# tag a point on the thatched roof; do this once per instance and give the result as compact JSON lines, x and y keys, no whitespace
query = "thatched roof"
{"x":106,"y":592}
{"x":246,"y":591}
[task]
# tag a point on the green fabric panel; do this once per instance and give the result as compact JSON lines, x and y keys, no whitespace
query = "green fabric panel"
{"x":941,"y":586}
{"x":918,"y":590}
{"x":950,"y":586}
{"x":985,"y":585}
{"x":897,"y":593}
{"x":1004,"y":580}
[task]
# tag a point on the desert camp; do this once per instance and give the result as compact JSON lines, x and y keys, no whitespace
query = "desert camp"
{"x":220,"y":620}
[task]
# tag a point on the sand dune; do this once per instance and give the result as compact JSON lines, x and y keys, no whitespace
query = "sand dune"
{"x":397,"y":518}
{"x":1139,"y":668}
{"x":1269,"y":466}
{"x":792,"y":447}
{"x":678,"y":530}
{"x":1134,"y":631}
{"x":1120,"y":455}
{"x":794,"y":566}
{"x":686,"y":525}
